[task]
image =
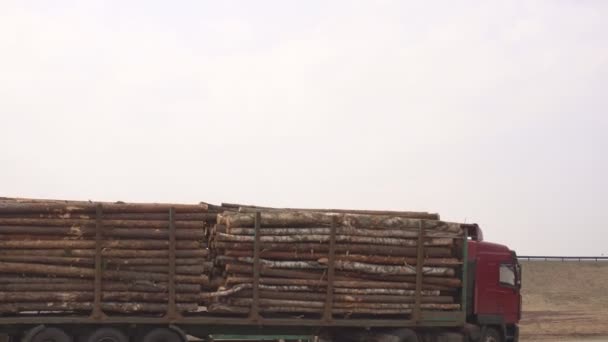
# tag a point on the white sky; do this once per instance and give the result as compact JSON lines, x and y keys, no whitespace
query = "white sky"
{"x":494,"y":113}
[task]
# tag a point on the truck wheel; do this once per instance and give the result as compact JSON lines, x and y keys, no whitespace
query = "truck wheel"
{"x":106,"y":335}
{"x":491,"y":335}
{"x":50,"y":334}
{"x":162,"y":335}
{"x":397,"y":335}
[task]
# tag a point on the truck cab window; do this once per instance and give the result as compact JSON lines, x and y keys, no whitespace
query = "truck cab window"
{"x":507,"y":274}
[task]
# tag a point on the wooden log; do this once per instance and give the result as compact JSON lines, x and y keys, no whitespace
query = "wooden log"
{"x":311,"y":296}
{"x":51,"y":260}
{"x":388,"y":269}
{"x":80,"y":272}
{"x":107,"y":252}
{"x":12,"y":297}
{"x":338,"y":305}
{"x":179,"y":269}
{"x":375,"y":259}
{"x":209,"y":217}
{"x":149,"y":297}
{"x":339,"y":239}
{"x":230,"y":309}
{"x":86,"y":244}
{"x":46,"y":222}
{"x":125,"y":308}
{"x":316,"y":274}
{"x":224,"y":293}
{"x":287,"y":219}
{"x":340,"y":248}
{"x":27,"y":205}
{"x":356,"y":284}
{"x":381,"y":233}
{"x":88,"y":286}
{"x":410,"y":214}
{"x":342,"y":290}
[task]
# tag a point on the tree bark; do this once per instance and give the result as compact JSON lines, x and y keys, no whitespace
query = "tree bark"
{"x":376,"y":259}
{"x":107,"y":252}
{"x":383,"y":233}
{"x":410,"y":214}
{"x":86,"y":244}
{"x":339,"y":239}
{"x":79,"y":272}
{"x":26,"y":205}
{"x":14,"y":308}
{"x":340,"y":248}
{"x":286,"y":219}
{"x":49,"y":222}
{"x":388,"y":269}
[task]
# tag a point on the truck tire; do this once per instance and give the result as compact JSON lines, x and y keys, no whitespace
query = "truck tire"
{"x":106,"y":335}
{"x":162,"y":335}
{"x":397,"y":335}
{"x":50,"y":334}
{"x":491,"y":335}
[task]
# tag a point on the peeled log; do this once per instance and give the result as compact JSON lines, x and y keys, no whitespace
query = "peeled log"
{"x":286,"y":219}
{"x":376,"y":259}
{"x":384,"y":233}
{"x":340,"y":248}
{"x":339,"y":239}
{"x":346,"y":297}
{"x":410,"y":214}
{"x":356,"y":284}
{"x":388,"y":269}
{"x":223,"y":308}
{"x":338,"y":305}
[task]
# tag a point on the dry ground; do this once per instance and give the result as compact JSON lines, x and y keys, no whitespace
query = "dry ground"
{"x":565,"y":301}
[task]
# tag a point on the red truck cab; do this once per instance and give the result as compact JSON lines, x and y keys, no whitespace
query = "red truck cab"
{"x":494,"y":283}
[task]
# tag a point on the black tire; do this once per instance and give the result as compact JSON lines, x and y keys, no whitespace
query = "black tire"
{"x":405,"y":335}
{"x":491,"y":335}
{"x":162,"y":335}
{"x":51,"y":334}
{"x":106,"y":335}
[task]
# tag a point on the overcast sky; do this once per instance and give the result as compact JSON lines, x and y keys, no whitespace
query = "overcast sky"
{"x":494,"y":113}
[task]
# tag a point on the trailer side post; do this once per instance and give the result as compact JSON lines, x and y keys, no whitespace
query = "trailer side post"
{"x":97,"y":312}
{"x":255,"y":305}
{"x":329,"y":299}
{"x":419,"y":264}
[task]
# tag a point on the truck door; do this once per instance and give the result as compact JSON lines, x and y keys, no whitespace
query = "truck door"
{"x":508,"y":292}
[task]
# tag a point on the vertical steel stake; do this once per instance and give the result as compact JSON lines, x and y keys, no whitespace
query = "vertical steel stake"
{"x":419,"y":270}
{"x":172,"y":312}
{"x":255,"y":305}
{"x":97,"y":311}
{"x":331,"y":267}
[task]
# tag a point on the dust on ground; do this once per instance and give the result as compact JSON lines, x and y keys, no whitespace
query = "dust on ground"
{"x":564,"y":301}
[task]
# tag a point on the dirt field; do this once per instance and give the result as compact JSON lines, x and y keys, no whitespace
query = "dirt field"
{"x":565,"y":301}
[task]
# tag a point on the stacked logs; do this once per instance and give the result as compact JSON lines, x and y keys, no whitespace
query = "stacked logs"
{"x":374,"y":262}
{"x":48,"y":255}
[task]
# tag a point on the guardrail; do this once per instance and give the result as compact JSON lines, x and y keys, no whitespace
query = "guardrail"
{"x":562,"y":258}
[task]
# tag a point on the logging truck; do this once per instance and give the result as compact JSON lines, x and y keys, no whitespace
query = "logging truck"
{"x":133,"y":273}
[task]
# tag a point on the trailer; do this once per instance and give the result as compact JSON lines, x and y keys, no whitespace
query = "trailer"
{"x":489,"y":304}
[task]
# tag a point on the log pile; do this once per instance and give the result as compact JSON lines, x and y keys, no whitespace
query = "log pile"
{"x":374,"y":262}
{"x":48,"y":255}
